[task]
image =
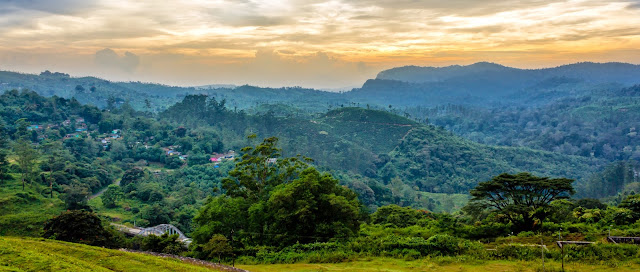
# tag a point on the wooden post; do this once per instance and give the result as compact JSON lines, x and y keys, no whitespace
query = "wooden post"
{"x":562,"y":256}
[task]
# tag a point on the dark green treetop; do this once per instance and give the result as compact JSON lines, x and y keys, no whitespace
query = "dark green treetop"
{"x":522,"y":198}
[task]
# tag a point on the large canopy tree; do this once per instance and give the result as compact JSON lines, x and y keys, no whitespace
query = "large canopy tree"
{"x":269,"y":200}
{"x":522,"y":198}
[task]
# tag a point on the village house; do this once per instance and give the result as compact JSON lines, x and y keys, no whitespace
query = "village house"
{"x":34,"y":127}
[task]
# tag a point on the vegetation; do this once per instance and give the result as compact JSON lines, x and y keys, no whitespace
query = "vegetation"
{"x":78,"y":226}
{"x":27,"y":254}
{"x":330,"y":182}
{"x":274,"y":201}
{"x":523,"y":198}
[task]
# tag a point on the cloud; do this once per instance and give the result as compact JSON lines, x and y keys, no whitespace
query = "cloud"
{"x":56,"y":7}
{"x":109,"y":60}
{"x":306,"y":42}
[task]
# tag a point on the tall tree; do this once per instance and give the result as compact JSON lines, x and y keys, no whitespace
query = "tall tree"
{"x":4,"y":162}
{"x":261,"y":169}
{"x":522,"y":198}
{"x":26,"y":155}
{"x":270,"y":200}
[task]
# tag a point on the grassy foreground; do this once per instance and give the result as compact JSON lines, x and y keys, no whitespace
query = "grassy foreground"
{"x":29,"y":254}
{"x":437,"y":264}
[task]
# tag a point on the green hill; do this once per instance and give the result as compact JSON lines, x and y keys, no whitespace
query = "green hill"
{"x":23,"y":213}
{"x":26,"y":254}
{"x":385,"y":157}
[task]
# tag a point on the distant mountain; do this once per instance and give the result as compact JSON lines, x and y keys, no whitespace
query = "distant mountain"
{"x":490,"y":84}
{"x":96,"y":91}
{"x":624,"y":73}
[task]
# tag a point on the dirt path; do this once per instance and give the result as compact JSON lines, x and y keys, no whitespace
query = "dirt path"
{"x":99,"y":193}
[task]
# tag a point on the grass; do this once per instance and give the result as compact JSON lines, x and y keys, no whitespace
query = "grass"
{"x":436,"y":264}
{"x":23,"y":213}
{"x":29,"y":254}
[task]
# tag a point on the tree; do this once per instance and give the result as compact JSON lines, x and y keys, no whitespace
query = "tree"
{"x":111,"y":102}
{"x":522,"y":198}
{"x":132,"y":176}
{"x":155,"y":214}
{"x":632,"y":202}
{"x":79,"y":227}
{"x":111,"y":196}
{"x":396,"y":215}
{"x":26,"y":157}
{"x":147,"y":104}
{"x":312,"y":207}
{"x":260,"y":170}
{"x":218,"y":246}
{"x":164,"y":243}
{"x":75,"y":197}
{"x":270,"y":200}
{"x":4,"y":163}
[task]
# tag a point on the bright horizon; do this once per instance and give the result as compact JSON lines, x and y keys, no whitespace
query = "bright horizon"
{"x":309,"y":43}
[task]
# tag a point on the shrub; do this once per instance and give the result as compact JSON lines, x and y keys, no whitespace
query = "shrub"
{"x":516,"y":252}
{"x":78,"y":226}
{"x":165,"y":243}
{"x":602,"y":252}
{"x":443,"y":244}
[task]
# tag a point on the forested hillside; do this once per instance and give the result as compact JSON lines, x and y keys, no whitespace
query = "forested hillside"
{"x":579,"y":110}
{"x":386,"y":158}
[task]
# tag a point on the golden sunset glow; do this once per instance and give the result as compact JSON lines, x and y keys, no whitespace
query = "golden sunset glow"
{"x":325,"y":44}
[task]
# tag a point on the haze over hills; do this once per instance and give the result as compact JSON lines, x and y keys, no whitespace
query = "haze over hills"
{"x":624,"y":73}
{"x":487,"y":84}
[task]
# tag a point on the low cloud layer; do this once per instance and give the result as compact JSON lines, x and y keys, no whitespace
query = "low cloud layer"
{"x":313,"y":43}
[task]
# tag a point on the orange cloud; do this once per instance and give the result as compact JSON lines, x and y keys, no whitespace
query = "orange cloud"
{"x":183,"y":42}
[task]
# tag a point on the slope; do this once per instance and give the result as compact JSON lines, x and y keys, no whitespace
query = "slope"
{"x":25,"y":254}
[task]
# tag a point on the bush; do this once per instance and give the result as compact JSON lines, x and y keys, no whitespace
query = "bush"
{"x":443,"y":244}
{"x":602,"y":252}
{"x":165,"y":243}
{"x":516,"y":252}
{"x":78,"y":226}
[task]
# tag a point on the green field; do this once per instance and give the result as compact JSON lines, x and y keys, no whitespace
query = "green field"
{"x":27,"y":254}
{"x":437,"y":264}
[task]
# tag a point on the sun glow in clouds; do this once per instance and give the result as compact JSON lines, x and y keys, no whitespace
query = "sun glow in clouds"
{"x":309,"y":42}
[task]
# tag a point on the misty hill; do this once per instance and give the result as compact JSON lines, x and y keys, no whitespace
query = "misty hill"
{"x":623,"y":73}
{"x":487,"y":84}
{"x":98,"y":92}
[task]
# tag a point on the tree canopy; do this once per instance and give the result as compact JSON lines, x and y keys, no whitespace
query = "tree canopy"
{"x":522,"y":198}
{"x":269,"y":200}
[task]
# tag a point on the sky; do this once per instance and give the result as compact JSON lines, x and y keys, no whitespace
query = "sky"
{"x":309,"y":43}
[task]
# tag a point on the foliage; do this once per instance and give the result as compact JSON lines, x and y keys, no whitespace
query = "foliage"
{"x":26,"y":157}
{"x":217,"y":246}
{"x":270,"y":200}
{"x":78,"y":226}
{"x":397,"y":216}
{"x":164,"y":243}
{"x":75,"y":197}
{"x":111,"y":196}
{"x":522,"y":198}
